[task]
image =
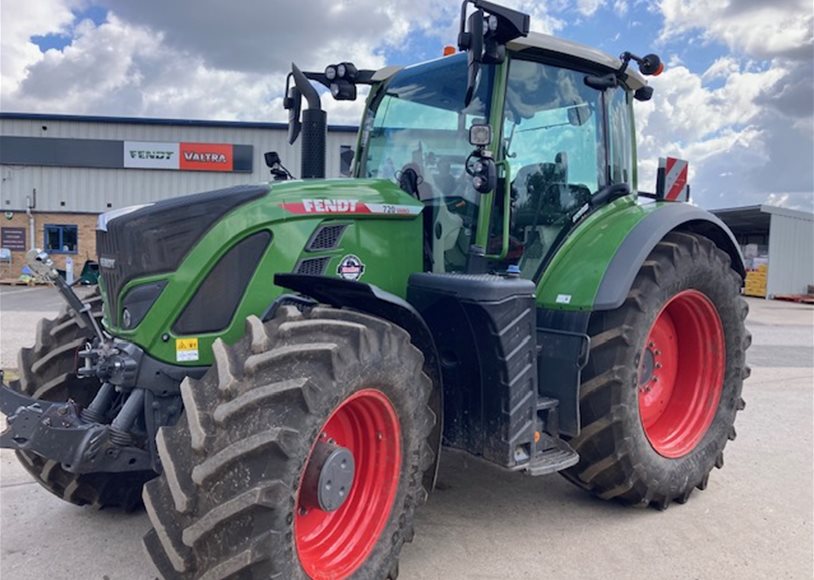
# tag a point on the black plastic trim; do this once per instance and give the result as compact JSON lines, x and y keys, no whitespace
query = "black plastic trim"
{"x":213,"y":306}
{"x":139,"y":300}
{"x":633,"y":251}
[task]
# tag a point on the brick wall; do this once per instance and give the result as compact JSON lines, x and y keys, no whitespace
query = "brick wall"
{"x":86,"y":242}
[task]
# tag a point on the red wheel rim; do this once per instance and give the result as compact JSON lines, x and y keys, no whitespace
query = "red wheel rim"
{"x":681,"y":373}
{"x":334,"y":544}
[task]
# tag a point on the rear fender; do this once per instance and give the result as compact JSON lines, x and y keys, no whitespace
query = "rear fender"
{"x":595,"y":267}
{"x":642,"y":239}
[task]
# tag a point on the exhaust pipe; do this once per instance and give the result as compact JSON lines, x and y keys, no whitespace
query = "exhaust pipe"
{"x":314,"y":129}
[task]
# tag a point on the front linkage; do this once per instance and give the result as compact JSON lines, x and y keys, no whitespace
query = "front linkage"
{"x":115,"y":433}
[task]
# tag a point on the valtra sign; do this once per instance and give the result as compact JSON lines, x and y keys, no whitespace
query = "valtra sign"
{"x":179,"y":156}
{"x":206,"y":157}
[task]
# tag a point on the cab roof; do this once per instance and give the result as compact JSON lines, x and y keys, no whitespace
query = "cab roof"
{"x":536,"y":41}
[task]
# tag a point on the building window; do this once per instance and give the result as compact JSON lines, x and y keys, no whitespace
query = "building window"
{"x":61,"y":238}
{"x":345,"y":160}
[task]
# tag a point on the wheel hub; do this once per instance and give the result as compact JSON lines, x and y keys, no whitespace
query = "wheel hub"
{"x":681,"y":373}
{"x":358,"y":449}
{"x":328,"y":477}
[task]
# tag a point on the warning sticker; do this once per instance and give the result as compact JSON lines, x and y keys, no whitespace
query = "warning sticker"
{"x":186,"y":349}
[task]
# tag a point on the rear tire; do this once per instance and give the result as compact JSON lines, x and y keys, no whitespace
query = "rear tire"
{"x":48,"y":372}
{"x":646,"y":447}
{"x":230,"y":500}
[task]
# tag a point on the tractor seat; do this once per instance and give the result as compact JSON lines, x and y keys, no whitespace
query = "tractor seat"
{"x":537,"y":190}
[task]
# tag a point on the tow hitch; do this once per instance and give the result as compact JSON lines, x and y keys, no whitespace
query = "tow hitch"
{"x":58,"y":432}
{"x":99,"y":437}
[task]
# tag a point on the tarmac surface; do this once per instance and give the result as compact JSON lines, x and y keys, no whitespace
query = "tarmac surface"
{"x":754,"y":521}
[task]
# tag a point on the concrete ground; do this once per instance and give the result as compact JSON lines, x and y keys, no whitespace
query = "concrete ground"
{"x":753,"y":521}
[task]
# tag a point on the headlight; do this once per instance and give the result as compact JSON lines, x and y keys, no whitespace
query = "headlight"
{"x":138,"y":301}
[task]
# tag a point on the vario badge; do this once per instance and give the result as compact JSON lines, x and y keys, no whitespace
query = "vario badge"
{"x":350,"y":268}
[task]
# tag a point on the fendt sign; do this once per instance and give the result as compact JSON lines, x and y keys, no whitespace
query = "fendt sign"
{"x":110,"y":154}
{"x":179,"y":156}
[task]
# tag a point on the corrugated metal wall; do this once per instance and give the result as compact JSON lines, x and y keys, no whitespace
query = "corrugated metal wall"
{"x":791,"y":252}
{"x":97,"y":190}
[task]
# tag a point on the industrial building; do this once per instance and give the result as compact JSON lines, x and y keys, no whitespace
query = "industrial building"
{"x":778,"y":247}
{"x":59,"y":172}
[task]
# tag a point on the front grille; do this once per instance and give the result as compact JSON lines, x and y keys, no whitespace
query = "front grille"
{"x":313,"y":266}
{"x":111,"y":270}
{"x":326,"y":237}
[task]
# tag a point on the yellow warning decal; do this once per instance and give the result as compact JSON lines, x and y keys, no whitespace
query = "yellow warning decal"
{"x":186,"y":349}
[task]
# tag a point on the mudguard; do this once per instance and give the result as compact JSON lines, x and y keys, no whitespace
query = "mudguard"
{"x":641,"y":240}
{"x":376,"y":302}
{"x":595,"y":267}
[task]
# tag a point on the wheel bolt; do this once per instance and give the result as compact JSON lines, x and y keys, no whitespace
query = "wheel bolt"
{"x":651,"y":344}
{"x":379,"y":435}
{"x":657,"y":352}
{"x":658,"y":365}
{"x":303,"y":511}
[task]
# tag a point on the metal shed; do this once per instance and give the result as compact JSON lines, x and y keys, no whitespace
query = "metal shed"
{"x":788,"y":238}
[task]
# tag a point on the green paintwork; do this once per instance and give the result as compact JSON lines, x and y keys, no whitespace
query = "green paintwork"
{"x":496,"y":121}
{"x":390,"y":246}
{"x":579,"y":265}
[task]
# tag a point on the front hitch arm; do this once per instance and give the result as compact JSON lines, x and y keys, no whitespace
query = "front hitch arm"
{"x":56,"y":431}
{"x":43,"y":266}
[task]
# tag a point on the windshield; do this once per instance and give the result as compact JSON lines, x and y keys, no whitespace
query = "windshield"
{"x":420,"y":122}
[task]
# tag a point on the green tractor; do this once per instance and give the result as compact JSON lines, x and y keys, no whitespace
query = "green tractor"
{"x":273,"y":369}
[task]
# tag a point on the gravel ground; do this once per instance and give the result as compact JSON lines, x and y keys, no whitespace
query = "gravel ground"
{"x":753,"y":521}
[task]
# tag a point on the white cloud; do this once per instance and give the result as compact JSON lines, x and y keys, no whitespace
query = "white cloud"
{"x":758,"y":28}
{"x":19,"y":21}
{"x":589,"y":7}
{"x":716,"y":129}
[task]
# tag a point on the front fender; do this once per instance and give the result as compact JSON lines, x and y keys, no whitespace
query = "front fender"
{"x":596,"y":266}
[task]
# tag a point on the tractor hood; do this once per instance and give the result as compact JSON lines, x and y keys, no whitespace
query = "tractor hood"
{"x":155,"y":238}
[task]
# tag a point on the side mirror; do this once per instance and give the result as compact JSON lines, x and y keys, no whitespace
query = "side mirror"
{"x":272,"y":158}
{"x":484,"y":35}
{"x":474,"y":54}
{"x":293,"y":102}
{"x":275,"y":165}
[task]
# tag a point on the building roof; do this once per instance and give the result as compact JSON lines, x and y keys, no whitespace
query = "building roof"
{"x":569,"y":48}
{"x":157,"y":121}
{"x":755,"y":219}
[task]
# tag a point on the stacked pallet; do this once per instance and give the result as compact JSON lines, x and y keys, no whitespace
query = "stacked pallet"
{"x":756,"y":281}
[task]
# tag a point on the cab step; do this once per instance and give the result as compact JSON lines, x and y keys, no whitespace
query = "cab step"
{"x":552,"y":460}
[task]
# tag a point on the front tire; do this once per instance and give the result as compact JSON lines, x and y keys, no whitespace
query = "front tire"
{"x":233,"y":499}
{"x":663,"y":383}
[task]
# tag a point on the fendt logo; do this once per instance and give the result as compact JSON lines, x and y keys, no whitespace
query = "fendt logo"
{"x":329,"y":205}
{"x":151,"y":154}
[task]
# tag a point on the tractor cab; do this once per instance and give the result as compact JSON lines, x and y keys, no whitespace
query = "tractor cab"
{"x":508,"y":143}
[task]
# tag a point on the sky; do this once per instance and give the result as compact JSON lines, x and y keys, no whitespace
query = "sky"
{"x":736,"y":99}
